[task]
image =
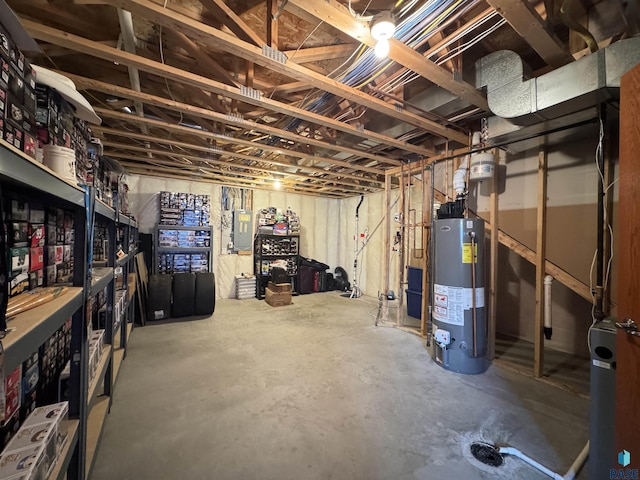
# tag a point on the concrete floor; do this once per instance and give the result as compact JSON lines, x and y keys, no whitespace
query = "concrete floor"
{"x":315,"y":391}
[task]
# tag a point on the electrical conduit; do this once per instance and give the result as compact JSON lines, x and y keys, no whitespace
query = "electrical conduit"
{"x":548,"y":280}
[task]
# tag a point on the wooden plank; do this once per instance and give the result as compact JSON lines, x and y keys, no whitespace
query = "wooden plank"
{"x":541,"y":232}
{"x":527,"y":23}
{"x":95,"y":422}
{"x":222,"y":139}
{"x":386,"y":242}
{"x":219,"y":39}
{"x":156,"y":172}
{"x":85,"y":83}
{"x":202,"y":58}
{"x":204,"y":163}
{"x":340,"y":17}
{"x":238,"y":26}
{"x":96,"y":49}
{"x":272,"y":24}
{"x":232,"y":155}
{"x":493,"y":258}
{"x":608,"y":174}
{"x":317,"y":54}
{"x":628,"y":346}
{"x":401,"y":245}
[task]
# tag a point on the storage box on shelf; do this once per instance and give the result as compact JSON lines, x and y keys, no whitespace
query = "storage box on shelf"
{"x":271,"y":251}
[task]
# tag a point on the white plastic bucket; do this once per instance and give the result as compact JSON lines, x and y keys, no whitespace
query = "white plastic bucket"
{"x":61,"y":160}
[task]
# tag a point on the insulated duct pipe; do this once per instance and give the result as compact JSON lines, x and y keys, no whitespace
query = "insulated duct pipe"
{"x":574,"y":87}
{"x":571,"y":473}
{"x":548,"y":280}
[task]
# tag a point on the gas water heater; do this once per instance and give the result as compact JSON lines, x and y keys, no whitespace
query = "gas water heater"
{"x":459,"y":301}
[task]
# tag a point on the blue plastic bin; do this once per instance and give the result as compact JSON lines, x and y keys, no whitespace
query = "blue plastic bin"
{"x":415,"y":279}
{"x":414,"y":303}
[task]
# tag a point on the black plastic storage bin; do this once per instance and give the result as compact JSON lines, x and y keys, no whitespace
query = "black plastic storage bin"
{"x":415,"y":279}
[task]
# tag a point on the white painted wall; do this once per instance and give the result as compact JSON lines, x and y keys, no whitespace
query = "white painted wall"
{"x":319,"y":219}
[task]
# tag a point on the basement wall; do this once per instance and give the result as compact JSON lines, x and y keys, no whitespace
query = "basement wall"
{"x":320,"y":226}
{"x":328,"y":229}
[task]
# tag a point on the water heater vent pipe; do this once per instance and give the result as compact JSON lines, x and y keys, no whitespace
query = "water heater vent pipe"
{"x":548,"y":280}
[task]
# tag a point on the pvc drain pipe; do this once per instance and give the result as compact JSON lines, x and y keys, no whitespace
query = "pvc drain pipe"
{"x":571,"y":473}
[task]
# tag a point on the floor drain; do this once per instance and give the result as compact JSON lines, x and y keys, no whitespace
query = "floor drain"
{"x":487,"y":454}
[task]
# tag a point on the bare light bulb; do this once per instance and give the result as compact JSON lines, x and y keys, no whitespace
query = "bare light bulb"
{"x":382,"y":48}
{"x":277,"y":184}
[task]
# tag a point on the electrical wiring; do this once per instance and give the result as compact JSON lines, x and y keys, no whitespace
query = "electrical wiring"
{"x":458,"y":50}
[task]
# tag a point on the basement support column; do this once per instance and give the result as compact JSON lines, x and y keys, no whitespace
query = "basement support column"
{"x":541,"y":231}
{"x":386,"y":247}
{"x":426,"y":221}
{"x":401,"y":269}
{"x":493,"y":272}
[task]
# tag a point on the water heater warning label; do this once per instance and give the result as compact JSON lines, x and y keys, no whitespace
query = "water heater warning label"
{"x":450,"y":303}
{"x":466,"y":253}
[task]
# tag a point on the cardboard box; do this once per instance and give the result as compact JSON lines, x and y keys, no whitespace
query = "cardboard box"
{"x":19,"y":210}
{"x":277,"y":299}
{"x":19,"y":259}
{"x":36,"y":215}
{"x":51,"y":273}
{"x":36,"y":235}
{"x":36,"y":259}
{"x":28,"y":462}
{"x":18,"y":284}
{"x":4,"y":73}
{"x":19,"y":234}
{"x":280,"y":287}
{"x":55,"y":412}
{"x":12,"y":401}
{"x":36,"y":279}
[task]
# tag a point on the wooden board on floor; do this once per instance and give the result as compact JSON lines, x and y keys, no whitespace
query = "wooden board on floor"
{"x":142,"y":279}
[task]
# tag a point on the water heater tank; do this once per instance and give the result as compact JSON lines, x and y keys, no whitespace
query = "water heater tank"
{"x":459,"y":312}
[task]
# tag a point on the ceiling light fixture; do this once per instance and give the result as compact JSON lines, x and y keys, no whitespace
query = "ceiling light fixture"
{"x":277,"y":184}
{"x":382,"y":28}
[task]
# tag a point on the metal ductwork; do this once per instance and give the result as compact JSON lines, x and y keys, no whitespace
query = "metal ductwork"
{"x":574,"y":87}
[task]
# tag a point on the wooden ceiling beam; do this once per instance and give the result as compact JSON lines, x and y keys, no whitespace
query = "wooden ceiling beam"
{"x":529,"y":25}
{"x":219,"y":39}
{"x":317,"y":54}
{"x":174,"y":165}
{"x":238,"y":26}
{"x":340,"y":17}
{"x":203,"y":59}
{"x":232,"y":155}
{"x":223,"y":138}
{"x":137,"y":169}
{"x":90,"y":84}
{"x":83,"y":45}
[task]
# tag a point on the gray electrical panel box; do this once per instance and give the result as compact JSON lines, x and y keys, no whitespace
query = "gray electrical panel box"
{"x":602,"y":453}
{"x":242,"y":230}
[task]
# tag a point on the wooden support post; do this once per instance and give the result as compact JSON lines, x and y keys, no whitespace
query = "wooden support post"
{"x":541,"y":230}
{"x":386,"y":248}
{"x":272,"y":24}
{"x":608,"y":175}
{"x":493,"y":268}
{"x":401,"y":269}
{"x":426,"y":230}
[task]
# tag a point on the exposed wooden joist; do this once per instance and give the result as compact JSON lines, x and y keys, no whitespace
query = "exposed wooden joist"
{"x":219,"y":39}
{"x":90,"y":84}
{"x":136,"y":169}
{"x":238,"y":26}
{"x":317,"y":54}
{"x":203,"y":59}
{"x":80,"y":44}
{"x":200,"y":162}
{"x":231,"y":155}
{"x":340,"y":17}
{"x":529,"y":25}
{"x":226,"y":139}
